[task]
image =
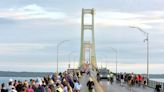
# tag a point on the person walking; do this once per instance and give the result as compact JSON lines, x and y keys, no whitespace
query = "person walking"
{"x":59,"y":89}
{"x":77,"y":86}
{"x":144,"y":82}
{"x":140,"y":79}
{"x":3,"y":89}
{"x":10,"y":86}
{"x":157,"y":88}
{"x":29,"y":89}
{"x":89,"y":73}
{"x":111,"y":77}
{"x":122,"y":79}
{"x":90,"y":84}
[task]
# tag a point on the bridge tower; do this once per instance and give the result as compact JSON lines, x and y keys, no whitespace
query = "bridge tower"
{"x":88,"y":44}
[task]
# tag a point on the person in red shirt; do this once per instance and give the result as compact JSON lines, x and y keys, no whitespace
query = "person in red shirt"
{"x":30,"y":89}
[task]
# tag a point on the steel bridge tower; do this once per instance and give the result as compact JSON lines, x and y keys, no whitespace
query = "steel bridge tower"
{"x":88,"y":44}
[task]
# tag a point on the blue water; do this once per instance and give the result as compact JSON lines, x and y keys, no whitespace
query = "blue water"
{"x":158,"y":80}
{"x":6,"y":79}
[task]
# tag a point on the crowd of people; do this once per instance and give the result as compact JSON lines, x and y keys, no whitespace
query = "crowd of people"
{"x":62,"y":82}
{"x":131,"y":79}
{"x":69,"y":82}
{"x":135,"y":80}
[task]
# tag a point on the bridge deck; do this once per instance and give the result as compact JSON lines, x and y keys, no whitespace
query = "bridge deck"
{"x":115,"y":87}
{"x":83,"y":82}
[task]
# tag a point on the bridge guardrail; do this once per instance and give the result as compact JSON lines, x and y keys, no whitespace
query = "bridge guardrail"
{"x":153,"y":83}
{"x":98,"y":87}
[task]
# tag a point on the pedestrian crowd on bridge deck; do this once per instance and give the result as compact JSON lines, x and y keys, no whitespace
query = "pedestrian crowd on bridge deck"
{"x":62,"y":82}
{"x":135,"y":80}
{"x":131,"y":79}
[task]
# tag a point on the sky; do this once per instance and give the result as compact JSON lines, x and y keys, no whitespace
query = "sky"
{"x":31,"y":29}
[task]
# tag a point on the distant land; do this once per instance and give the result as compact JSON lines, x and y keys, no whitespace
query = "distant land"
{"x":41,"y":74}
{"x":156,"y":76}
{"x":23,"y":74}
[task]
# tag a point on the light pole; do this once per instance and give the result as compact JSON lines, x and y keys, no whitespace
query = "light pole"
{"x":69,"y":66}
{"x":105,"y":60}
{"x":75,"y":61}
{"x":58,"y":44}
{"x":100,"y":62}
{"x":116,"y":55}
{"x":147,"y":40}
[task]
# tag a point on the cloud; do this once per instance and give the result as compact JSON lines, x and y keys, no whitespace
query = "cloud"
{"x":32,"y":11}
{"x":135,"y":68}
{"x":52,"y":24}
{"x":118,"y":15}
{"x":102,"y":18}
{"x":9,"y":48}
{"x":24,"y":66}
{"x":141,"y":19}
{"x":153,"y":14}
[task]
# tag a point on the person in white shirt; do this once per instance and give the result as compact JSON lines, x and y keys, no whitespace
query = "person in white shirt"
{"x":77,"y":86}
{"x":9,"y":88}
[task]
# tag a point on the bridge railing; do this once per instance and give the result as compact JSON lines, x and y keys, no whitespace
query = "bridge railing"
{"x":153,"y":83}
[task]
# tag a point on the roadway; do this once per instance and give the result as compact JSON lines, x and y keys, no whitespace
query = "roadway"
{"x":115,"y":87}
{"x":84,"y":79}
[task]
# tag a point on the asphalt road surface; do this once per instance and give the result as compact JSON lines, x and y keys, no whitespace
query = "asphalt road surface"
{"x":115,"y":87}
{"x":83,"y":82}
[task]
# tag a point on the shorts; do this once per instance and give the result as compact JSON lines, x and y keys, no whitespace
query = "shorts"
{"x":122,"y":80}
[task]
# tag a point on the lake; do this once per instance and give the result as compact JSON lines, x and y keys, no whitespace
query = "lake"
{"x":158,"y":80}
{"x":6,"y":79}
